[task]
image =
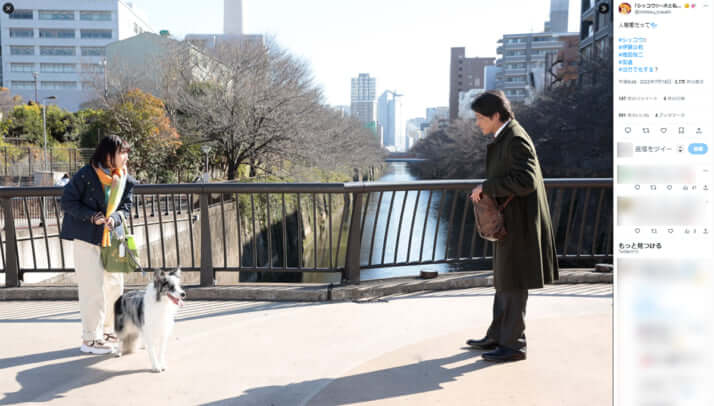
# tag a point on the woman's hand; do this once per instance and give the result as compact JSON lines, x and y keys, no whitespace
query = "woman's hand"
{"x":476,"y":194}
{"x":109,"y":223}
{"x":99,"y":219}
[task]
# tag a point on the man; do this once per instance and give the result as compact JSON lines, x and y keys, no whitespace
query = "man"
{"x":526,"y":258}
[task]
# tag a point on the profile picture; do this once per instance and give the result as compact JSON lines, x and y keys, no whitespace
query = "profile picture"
{"x":625,"y":8}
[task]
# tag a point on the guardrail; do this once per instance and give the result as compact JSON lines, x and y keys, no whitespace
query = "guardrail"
{"x":306,"y":227}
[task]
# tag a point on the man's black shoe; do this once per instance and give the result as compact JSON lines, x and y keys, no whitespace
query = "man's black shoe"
{"x":503,"y":354}
{"x":485,"y":343}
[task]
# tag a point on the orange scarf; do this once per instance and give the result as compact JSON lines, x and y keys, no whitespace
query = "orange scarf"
{"x":116,"y":183}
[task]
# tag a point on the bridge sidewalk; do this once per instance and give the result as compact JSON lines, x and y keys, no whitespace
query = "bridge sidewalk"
{"x":400,"y":349}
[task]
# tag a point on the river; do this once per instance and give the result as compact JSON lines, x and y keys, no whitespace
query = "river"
{"x":399,"y":172}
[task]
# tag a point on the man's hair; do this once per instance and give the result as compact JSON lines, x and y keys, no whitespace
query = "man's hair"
{"x":491,"y":102}
{"x":107,"y":148}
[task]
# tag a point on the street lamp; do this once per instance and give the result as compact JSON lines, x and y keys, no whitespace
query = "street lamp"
{"x":44,"y":125}
{"x":206,"y":150}
{"x":103,"y":63}
{"x":36,"y":75}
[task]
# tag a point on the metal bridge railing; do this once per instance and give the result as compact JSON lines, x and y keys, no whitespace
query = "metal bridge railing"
{"x":307,"y":227}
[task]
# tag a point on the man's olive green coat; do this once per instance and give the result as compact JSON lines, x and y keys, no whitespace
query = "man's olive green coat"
{"x":526,"y":258}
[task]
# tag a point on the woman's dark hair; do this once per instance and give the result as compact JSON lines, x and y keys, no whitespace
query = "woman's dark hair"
{"x":492,"y":102}
{"x":107,"y":148}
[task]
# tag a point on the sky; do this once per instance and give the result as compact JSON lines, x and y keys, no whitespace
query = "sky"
{"x":405,"y":44}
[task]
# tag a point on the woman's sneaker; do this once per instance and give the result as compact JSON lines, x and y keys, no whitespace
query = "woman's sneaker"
{"x":96,"y":347}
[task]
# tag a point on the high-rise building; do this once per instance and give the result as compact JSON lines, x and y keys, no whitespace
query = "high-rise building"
{"x":564,"y":68}
{"x":595,"y":31}
{"x":232,"y":29}
{"x":522,"y":66}
{"x":52,"y":48}
{"x":435,"y":113}
{"x":363,"y":98}
{"x":525,"y":63}
{"x":466,"y":74}
{"x":233,"y":17}
{"x":558,"y":16}
{"x":490,"y":73}
{"x":389,"y":116}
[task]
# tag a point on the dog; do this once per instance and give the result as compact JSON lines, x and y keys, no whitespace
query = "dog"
{"x":149,"y":314}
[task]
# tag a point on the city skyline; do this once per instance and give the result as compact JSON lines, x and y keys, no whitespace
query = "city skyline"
{"x":404,"y":45}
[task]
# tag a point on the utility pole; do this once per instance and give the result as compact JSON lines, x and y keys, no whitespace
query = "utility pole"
{"x":36,"y":75}
{"x":104,"y":70}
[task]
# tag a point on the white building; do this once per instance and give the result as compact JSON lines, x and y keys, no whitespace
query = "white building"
{"x":143,"y":60}
{"x":53,"y":48}
{"x":389,"y":117}
{"x":490,"y":74}
{"x":363,"y":94}
{"x":465,"y":100}
{"x":232,"y":29}
{"x":521,"y":68}
{"x":435,"y":113}
{"x":414,"y":131}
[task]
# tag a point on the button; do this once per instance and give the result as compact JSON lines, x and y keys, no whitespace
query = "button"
{"x":698,"y":148}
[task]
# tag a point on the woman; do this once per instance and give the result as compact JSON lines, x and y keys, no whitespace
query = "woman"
{"x":526,"y":257}
{"x":92,"y":202}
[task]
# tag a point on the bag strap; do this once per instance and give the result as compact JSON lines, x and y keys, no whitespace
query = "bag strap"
{"x":133,"y":258}
{"x":126,"y":246}
{"x":503,"y":206}
{"x":123,"y":218}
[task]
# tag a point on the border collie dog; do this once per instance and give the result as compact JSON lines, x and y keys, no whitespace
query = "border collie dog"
{"x":149,"y":313}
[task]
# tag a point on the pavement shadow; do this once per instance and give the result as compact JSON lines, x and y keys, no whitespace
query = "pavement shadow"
{"x":531,"y":293}
{"x":47,"y":382}
{"x":35,"y":358}
{"x":419,"y":377}
{"x":207,"y":310}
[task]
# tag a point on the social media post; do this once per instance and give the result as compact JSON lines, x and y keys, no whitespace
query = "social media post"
{"x":662,"y":331}
{"x":663,"y":203}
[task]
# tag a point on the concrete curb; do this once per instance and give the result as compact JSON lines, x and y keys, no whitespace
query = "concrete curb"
{"x":317,"y":292}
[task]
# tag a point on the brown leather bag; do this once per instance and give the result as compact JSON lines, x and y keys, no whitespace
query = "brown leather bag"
{"x":489,"y":218}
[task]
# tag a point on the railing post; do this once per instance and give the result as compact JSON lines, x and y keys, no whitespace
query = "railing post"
{"x":12,"y":267}
{"x":206,"y":251}
{"x":354,"y":243}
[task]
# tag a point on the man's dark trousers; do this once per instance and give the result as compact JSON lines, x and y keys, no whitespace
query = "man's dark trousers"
{"x":508,"y":325}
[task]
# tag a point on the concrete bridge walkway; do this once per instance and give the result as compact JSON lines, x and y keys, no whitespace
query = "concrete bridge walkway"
{"x":395,"y":350}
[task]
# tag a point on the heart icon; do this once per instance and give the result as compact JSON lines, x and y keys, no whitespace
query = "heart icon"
{"x":664,"y":130}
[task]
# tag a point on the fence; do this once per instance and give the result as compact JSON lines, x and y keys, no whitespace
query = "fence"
{"x":319,"y":227}
{"x":25,"y":161}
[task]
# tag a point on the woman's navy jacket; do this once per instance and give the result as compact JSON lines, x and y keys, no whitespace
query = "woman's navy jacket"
{"x":83,"y":197}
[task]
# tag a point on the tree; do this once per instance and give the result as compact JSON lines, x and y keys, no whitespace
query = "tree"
{"x":257,"y":105}
{"x":25,"y":122}
{"x":93,"y":125}
{"x":141,"y":120}
{"x":571,"y":128}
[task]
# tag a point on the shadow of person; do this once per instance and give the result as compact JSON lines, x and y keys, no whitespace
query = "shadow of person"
{"x":52,"y":381}
{"x":418,"y":377}
{"x":35,"y":358}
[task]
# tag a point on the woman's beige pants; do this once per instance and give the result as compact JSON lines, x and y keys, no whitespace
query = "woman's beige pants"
{"x":98,"y":290}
